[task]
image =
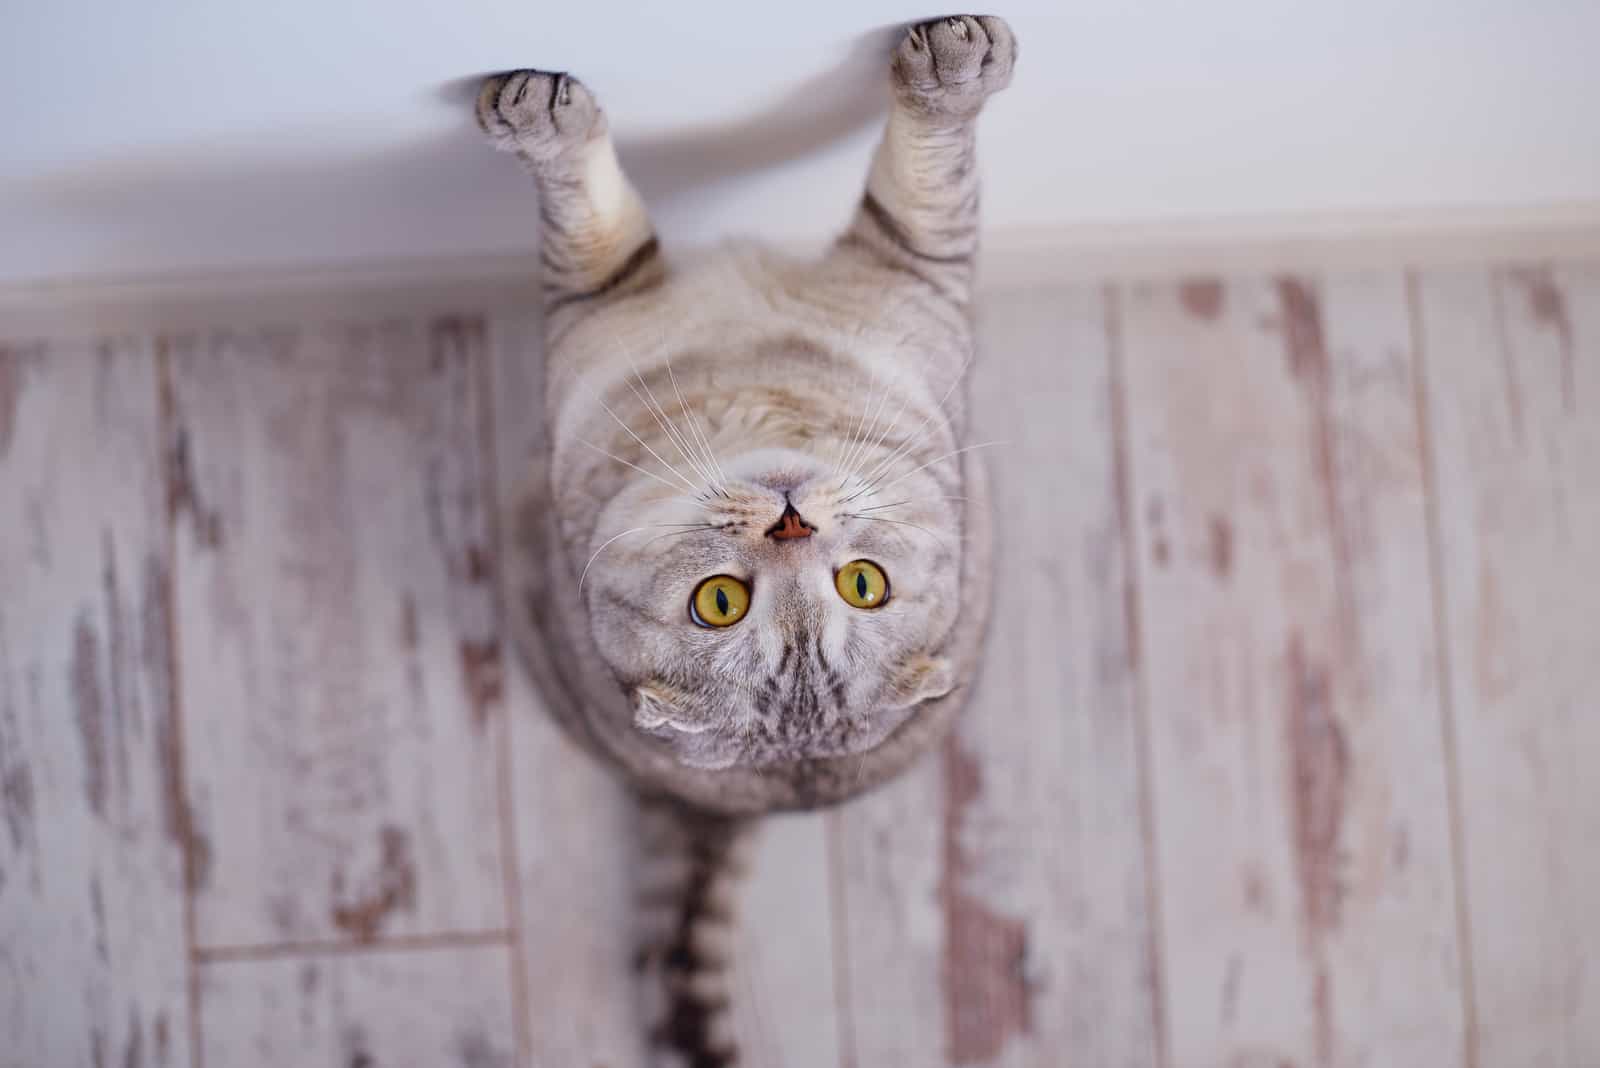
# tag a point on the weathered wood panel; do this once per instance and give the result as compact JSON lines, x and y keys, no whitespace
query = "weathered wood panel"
{"x":1308,"y":905}
{"x":785,"y":1008}
{"x":93,"y":961}
{"x":440,"y":1007}
{"x":572,"y":823}
{"x":886,"y":867}
{"x":1004,"y":888}
{"x":1513,"y":387}
{"x":339,"y":665}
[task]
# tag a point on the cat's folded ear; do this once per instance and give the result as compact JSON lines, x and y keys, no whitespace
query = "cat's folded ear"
{"x":922,"y":678}
{"x":658,"y":705}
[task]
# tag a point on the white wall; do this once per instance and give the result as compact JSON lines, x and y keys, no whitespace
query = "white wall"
{"x":183,"y":136}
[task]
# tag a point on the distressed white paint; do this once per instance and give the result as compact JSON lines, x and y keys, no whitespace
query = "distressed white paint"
{"x":93,"y":960}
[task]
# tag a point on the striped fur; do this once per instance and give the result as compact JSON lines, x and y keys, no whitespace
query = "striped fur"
{"x":690,"y":863}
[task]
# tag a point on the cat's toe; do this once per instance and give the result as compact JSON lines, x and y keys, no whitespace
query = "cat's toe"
{"x":536,"y":113}
{"x":952,"y":64}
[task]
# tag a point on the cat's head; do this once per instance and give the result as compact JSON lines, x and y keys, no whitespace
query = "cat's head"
{"x":795,"y":614}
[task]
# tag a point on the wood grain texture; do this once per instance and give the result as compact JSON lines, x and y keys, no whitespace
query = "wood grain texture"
{"x":1513,"y":400}
{"x":890,"y":929}
{"x":1290,"y":672}
{"x":573,"y":823}
{"x":93,"y":961}
{"x":442,"y":1008}
{"x":339,"y":662}
{"x":785,"y":1007}
{"x":1278,"y":756}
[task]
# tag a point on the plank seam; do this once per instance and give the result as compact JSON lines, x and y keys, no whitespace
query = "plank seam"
{"x":510,"y":858}
{"x":1123,"y":474}
{"x":393,"y":944}
{"x":1443,"y":665}
{"x":166,"y":428}
{"x":840,"y":922}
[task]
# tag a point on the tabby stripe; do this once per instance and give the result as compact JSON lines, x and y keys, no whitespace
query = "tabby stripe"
{"x":641,"y":257}
{"x":897,"y":234}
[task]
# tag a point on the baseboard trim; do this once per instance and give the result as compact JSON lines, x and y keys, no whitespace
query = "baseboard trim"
{"x":1011,"y":258}
{"x":1353,"y":241}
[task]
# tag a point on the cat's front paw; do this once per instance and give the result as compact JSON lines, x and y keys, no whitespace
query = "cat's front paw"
{"x":951,"y":65}
{"x":537,"y":113}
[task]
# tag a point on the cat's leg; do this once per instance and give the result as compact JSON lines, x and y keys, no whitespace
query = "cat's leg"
{"x":920,"y":210}
{"x":597,"y":237}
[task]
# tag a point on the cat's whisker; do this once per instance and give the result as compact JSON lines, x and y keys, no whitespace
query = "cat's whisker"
{"x":922,"y":467}
{"x":859,"y":450}
{"x":920,"y":434}
{"x":603,"y":547}
{"x":679,"y":474}
{"x":912,"y":500}
{"x":635,"y":466}
{"x":695,"y":428}
{"x":708,"y":528}
{"x":905,"y":398}
{"x":899,"y":523}
{"x":839,"y":466}
{"x":668,"y":427}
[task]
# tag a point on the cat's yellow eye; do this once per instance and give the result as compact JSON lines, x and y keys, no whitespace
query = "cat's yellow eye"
{"x":862,"y":584}
{"x":719,"y":601}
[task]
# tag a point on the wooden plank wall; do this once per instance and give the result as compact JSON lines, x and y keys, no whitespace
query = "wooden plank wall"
{"x":1279,"y":754}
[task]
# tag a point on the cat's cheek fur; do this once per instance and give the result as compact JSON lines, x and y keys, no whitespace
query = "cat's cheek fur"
{"x":921,"y":679}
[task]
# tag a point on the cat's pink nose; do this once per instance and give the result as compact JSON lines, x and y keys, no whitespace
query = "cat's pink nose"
{"x":789,"y":525}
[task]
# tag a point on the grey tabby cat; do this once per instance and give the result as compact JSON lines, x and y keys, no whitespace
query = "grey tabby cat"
{"x":754,"y":559}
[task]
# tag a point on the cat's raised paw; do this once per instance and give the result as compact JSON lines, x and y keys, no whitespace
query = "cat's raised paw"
{"x":951,"y":65}
{"x":540,"y":114}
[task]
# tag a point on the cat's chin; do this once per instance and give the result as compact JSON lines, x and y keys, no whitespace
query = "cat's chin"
{"x":714,"y":750}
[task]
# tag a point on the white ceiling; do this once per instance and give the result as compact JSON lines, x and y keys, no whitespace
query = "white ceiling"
{"x":175,"y":136}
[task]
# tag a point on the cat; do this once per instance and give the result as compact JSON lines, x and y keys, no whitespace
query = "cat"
{"x":751,"y":568}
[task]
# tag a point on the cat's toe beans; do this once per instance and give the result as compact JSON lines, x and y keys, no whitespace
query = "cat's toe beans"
{"x":535,"y":112}
{"x":955,"y":62}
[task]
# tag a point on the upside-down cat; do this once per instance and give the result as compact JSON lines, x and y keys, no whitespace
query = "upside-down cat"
{"x":751,"y":564}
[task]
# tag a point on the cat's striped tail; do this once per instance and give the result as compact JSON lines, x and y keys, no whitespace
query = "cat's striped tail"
{"x":690,"y":865}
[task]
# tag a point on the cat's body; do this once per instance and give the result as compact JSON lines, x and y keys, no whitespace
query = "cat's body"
{"x":752,"y":565}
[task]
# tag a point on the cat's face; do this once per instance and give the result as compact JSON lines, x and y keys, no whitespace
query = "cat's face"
{"x":802,"y":622}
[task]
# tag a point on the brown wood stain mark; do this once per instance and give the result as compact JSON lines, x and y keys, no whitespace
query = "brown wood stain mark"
{"x":17,"y":800}
{"x":177,"y":815}
{"x":184,"y":496}
{"x":395,"y":889}
{"x":1319,"y":762}
{"x":1221,"y":539}
{"x":1254,"y":891}
{"x":133,"y":1051}
{"x":123,"y":708}
{"x":10,"y":395}
{"x":1230,"y":989}
{"x":89,"y":711}
{"x":1305,"y":341}
{"x":1508,"y":364}
{"x":1160,"y":551}
{"x":478,"y":569}
{"x":1319,"y":759}
{"x":1549,"y":309}
{"x":483,"y":678}
{"x":1202,"y":298}
{"x":410,"y":634}
{"x":987,"y":999}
